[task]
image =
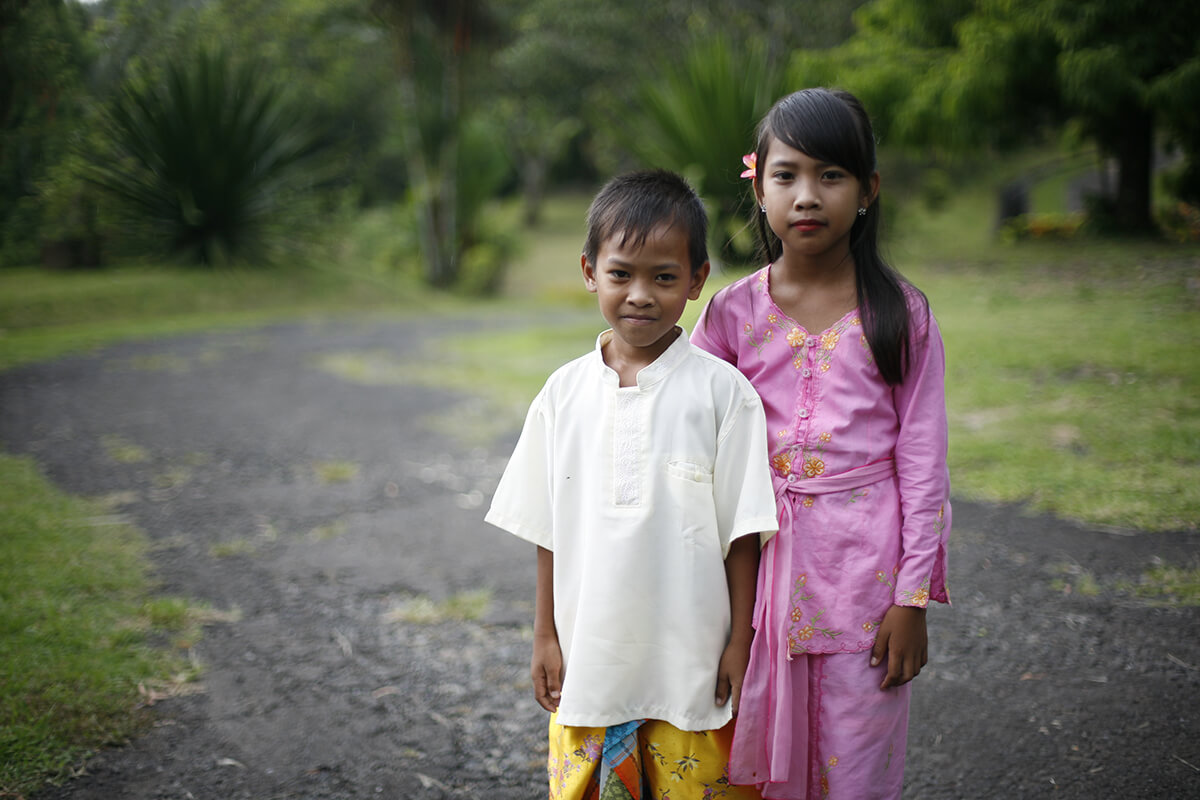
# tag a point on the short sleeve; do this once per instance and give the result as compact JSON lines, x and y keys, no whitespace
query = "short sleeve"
{"x":522,"y":502}
{"x":742,"y":489}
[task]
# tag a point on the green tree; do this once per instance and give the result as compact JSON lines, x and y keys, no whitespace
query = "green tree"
{"x":995,"y":73}
{"x":43,"y":58}
{"x":439,"y":47}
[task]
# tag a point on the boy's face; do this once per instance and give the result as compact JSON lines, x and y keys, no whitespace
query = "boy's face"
{"x":643,"y":290}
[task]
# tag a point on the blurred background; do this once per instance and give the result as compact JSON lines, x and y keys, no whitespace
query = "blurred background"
{"x":171,"y":165}
{"x":179,"y":166}
{"x":422,"y":139}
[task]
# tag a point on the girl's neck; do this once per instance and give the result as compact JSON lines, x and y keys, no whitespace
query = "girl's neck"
{"x":813,"y":293}
{"x":826,"y":269}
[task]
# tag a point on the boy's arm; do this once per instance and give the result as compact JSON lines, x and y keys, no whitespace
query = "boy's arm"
{"x":546,"y":668}
{"x":741,"y":573}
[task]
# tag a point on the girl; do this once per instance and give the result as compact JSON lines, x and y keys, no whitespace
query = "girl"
{"x":849,"y":363}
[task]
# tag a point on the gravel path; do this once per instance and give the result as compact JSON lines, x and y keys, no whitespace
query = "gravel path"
{"x":336,"y":522}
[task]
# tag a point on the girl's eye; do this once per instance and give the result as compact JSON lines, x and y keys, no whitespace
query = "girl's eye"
{"x":782,"y":176}
{"x":833,"y":174}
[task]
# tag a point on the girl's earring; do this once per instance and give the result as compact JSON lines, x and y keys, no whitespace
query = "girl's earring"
{"x":763,"y":208}
{"x":862,"y":212}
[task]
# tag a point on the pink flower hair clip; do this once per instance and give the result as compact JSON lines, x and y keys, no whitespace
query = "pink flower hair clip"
{"x":751,"y":162}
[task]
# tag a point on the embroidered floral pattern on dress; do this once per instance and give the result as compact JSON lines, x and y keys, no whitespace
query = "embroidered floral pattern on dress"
{"x":802,"y":629}
{"x":918,"y":597}
{"x":761,"y":341}
{"x":886,"y":579}
{"x":826,"y":768}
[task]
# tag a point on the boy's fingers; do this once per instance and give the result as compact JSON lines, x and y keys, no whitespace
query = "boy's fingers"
{"x":722,"y":690}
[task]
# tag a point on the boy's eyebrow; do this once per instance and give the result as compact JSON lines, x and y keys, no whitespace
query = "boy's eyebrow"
{"x":622,"y":263}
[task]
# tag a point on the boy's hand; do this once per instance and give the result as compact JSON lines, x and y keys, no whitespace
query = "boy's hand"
{"x":546,"y":670}
{"x":731,"y":671}
{"x":903,"y":642}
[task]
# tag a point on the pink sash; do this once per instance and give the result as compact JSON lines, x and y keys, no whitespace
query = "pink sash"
{"x":763,"y":741}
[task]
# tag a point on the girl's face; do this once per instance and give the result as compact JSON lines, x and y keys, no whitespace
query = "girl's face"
{"x":811,"y":204}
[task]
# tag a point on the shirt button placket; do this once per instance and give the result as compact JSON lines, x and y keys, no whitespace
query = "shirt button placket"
{"x":804,"y":412}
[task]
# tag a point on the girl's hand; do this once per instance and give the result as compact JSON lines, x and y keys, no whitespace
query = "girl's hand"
{"x":546,"y":669}
{"x":731,"y":671}
{"x":902,"y":640}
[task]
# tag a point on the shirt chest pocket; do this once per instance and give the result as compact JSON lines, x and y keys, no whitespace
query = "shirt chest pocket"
{"x":690,"y":487}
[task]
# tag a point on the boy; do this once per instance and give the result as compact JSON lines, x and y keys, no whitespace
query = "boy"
{"x":640,"y":474}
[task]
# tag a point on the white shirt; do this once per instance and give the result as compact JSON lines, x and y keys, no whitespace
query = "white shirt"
{"x":639,"y":492}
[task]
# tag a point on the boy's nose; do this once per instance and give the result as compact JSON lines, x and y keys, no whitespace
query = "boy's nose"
{"x":640,"y":294}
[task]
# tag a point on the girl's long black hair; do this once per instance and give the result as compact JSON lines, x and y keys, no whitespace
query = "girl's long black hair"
{"x":832,"y":126}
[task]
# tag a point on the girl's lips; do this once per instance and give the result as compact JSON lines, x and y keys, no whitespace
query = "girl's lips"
{"x":807,"y":225}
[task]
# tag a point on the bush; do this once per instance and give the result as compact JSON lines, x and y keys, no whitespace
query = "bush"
{"x":213,"y":164}
{"x":1180,"y":222}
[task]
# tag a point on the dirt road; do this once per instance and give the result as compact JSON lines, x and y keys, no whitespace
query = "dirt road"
{"x":335,"y":524}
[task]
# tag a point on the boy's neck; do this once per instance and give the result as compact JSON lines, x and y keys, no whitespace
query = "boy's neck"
{"x":627,"y":361}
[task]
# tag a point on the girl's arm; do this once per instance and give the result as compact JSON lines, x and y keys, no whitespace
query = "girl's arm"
{"x":902,"y":640}
{"x":924,"y":481}
{"x":741,"y":573}
{"x":546,"y":668}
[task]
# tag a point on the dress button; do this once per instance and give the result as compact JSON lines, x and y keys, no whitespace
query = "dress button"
{"x":806,"y":372}
{"x":791,"y":478}
{"x":804,"y":413}
{"x":812,"y":342}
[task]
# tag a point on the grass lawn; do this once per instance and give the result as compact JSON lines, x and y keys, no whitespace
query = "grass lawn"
{"x":83,"y":642}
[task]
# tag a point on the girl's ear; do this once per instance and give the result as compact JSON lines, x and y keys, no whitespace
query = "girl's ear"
{"x":872,"y":190}
{"x":589,"y":273}
{"x":758,"y":195}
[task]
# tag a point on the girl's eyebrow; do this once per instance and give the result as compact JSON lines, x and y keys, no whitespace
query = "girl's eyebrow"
{"x":787,"y":163}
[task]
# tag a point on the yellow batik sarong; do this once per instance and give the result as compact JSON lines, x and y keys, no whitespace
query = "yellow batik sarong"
{"x":661,"y":763}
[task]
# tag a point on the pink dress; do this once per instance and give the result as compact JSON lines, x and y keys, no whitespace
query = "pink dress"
{"x":862,"y":492}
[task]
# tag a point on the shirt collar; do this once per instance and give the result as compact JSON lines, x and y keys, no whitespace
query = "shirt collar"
{"x":654,"y":372}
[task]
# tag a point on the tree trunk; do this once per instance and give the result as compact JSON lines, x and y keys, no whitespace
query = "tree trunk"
{"x":434,"y":181}
{"x":1135,"y":160}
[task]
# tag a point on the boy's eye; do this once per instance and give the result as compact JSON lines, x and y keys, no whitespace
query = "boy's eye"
{"x":619,"y":274}
{"x":666,"y":277}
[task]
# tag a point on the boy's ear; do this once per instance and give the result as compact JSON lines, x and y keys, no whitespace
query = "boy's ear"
{"x":589,"y":273}
{"x":698,"y":281}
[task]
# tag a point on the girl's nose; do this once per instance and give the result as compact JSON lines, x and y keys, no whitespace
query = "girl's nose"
{"x":806,"y":196}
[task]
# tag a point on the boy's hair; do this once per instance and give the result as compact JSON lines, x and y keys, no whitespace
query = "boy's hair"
{"x":831,"y":125}
{"x":635,"y":205}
